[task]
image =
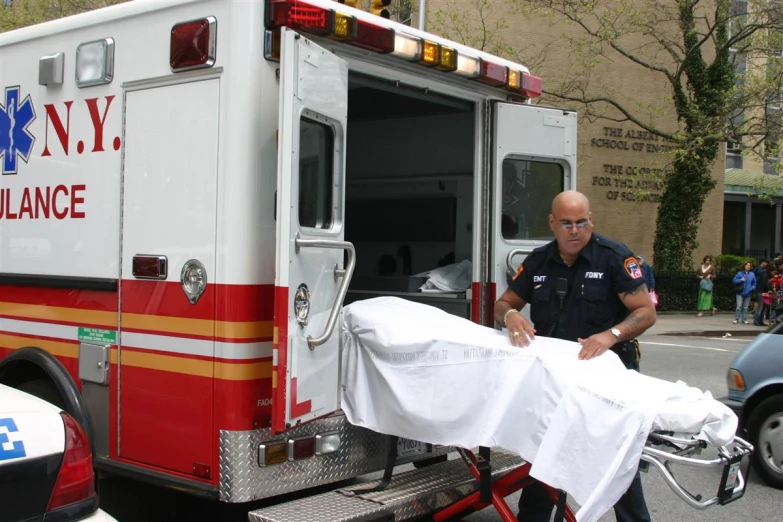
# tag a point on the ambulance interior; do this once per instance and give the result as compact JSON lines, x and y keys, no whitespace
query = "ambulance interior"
{"x":409,"y":192}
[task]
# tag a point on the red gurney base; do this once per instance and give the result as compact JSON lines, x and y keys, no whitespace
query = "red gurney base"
{"x":501,"y":488}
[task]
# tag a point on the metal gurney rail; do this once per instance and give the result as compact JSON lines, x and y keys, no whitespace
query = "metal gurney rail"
{"x":733,"y":479}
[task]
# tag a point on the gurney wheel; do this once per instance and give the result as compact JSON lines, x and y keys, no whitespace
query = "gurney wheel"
{"x":430,"y":461}
{"x":764,"y":426}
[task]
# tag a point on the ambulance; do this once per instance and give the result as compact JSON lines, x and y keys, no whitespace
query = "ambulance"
{"x":190,"y":192}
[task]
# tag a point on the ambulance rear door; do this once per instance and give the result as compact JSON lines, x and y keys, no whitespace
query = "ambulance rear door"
{"x":534,"y":158}
{"x":313,"y":263}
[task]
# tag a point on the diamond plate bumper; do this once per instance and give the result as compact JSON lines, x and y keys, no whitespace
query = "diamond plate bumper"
{"x":242,"y":479}
{"x":410,"y":495}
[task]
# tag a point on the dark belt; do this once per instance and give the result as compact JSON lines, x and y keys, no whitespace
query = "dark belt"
{"x":626,"y":351}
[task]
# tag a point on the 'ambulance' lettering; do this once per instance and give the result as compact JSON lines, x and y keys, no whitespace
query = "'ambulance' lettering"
{"x":59,"y":202}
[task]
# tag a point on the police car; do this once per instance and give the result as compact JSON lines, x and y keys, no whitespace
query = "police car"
{"x":46,"y":468}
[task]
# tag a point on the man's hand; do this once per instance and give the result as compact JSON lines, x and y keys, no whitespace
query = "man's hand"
{"x":595,"y":345}
{"x":520,"y":331}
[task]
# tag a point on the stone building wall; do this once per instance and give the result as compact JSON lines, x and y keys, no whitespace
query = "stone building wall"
{"x":619,"y":163}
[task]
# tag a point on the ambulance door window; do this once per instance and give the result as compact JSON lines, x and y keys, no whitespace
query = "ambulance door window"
{"x":316,"y":172}
{"x":528,"y":190}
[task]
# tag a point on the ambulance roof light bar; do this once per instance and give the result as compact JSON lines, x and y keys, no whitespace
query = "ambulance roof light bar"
{"x":333,"y":20}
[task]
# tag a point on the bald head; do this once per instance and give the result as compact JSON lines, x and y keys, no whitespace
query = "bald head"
{"x":571,"y":223}
{"x":570,"y":200}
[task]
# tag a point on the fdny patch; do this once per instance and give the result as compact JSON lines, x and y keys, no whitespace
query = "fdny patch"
{"x":632,"y":267}
{"x":519,"y":271}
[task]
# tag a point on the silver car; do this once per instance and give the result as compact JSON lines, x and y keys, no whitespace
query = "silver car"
{"x":755,"y":383}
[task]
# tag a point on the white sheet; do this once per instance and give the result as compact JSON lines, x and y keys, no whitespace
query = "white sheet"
{"x":414,"y":371}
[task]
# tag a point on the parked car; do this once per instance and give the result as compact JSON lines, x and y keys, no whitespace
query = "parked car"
{"x":755,"y":394}
{"x":46,"y":470}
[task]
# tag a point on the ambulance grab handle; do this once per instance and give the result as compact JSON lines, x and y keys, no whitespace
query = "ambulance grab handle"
{"x":346,"y":275}
{"x":510,"y":256}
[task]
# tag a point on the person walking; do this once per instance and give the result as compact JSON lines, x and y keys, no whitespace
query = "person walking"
{"x":706,"y":285}
{"x":762,"y":287}
{"x":649,"y":277}
{"x":744,"y":284}
{"x":582,"y":287}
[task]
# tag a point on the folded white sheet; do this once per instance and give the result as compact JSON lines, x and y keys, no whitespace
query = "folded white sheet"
{"x":412,"y":370}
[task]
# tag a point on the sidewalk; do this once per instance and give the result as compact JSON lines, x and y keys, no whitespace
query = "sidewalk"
{"x":686,"y":323}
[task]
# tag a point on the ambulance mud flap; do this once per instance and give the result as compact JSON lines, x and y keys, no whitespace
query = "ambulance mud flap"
{"x":391,"y":460}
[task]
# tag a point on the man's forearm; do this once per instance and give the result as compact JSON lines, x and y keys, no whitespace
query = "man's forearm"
{"x":501,"y":308}
{"x":637,"y":322}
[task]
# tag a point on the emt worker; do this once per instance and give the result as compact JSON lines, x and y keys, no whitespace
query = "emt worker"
{"x":586,"y":288}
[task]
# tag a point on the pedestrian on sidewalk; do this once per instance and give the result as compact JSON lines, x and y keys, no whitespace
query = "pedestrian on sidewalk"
{"x":762,"y":287}
{"x":649,"y":278}
{"x":744,"y":285}
{"x":706,"y":284}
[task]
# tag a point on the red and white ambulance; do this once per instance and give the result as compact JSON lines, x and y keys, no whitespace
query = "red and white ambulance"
{"x":190,"y":191}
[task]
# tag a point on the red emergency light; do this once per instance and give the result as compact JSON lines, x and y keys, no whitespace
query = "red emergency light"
{"x":493,"y":74}
{"x":373,"y":38}
{"x":300,"y":16}
{"x":193,"y":44}
{"x":531,"y":86}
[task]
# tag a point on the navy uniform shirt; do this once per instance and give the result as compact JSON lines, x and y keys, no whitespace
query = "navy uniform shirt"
{"x":603,"y":269}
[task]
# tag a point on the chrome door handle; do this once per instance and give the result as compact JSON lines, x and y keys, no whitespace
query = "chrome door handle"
{"x":346,"y":274}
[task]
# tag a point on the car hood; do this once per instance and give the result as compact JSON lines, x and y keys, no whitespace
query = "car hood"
{"x":29,"y":427}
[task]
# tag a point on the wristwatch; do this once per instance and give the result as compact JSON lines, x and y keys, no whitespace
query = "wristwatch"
{"x":616,"y":333}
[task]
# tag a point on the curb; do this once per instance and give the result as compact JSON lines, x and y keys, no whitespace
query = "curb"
{"x":717,"y":333}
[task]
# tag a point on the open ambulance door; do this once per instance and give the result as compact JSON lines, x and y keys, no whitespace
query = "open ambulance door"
{"x":534,"y":158}
{"x":313,"y":263}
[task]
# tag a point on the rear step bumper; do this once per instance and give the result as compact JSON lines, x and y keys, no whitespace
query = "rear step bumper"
{"x":410,"y":495}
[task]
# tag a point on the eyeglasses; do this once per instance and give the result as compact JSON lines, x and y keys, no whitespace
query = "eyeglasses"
{"x":567,"y":225}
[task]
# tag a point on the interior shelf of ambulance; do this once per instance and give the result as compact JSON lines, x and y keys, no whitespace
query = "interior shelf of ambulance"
{"x":409,"y":193}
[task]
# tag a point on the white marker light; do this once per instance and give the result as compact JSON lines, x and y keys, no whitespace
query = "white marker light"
{"x":326,"y":443}
{"x":408,"y":47}
{"x":95,"y":62}
{"x":468,"y":66}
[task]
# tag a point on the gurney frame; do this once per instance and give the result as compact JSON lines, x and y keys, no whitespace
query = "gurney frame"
{"x":735,"y":464}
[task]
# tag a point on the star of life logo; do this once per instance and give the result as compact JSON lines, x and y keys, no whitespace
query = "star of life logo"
{"x":15,"y":140}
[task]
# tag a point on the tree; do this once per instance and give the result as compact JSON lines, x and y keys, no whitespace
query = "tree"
{"x":482,"y":24}
{"x":696,"y":48}
{"x":21,"y":13}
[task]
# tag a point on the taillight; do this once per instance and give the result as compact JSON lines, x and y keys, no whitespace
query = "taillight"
{"x":193,"y":44}
{"x":76,"y":480}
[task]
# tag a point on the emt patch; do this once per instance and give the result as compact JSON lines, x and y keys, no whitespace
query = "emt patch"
{"x":632,"y":267}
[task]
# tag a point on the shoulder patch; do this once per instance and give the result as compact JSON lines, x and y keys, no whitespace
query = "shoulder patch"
{"x":632,"y":267}
{"x":519,"y":271}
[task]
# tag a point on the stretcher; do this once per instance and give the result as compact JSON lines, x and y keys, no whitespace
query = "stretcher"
{"x":579,"y":427}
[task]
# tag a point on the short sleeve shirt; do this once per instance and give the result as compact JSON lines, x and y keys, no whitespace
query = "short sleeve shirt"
{"x":604,"y":269}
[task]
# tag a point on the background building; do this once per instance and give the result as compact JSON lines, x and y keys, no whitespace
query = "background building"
{"x":621,"y":164}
